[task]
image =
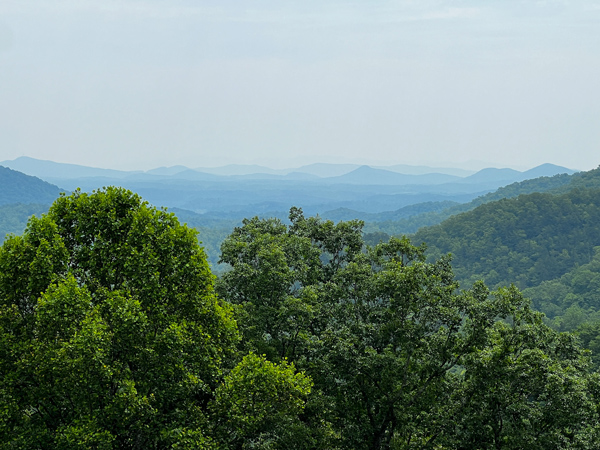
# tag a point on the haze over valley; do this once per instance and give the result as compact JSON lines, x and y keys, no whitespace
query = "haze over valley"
{"x":239,"y":191}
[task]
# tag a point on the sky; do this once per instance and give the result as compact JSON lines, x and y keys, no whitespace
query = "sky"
{"x":138,"y":84}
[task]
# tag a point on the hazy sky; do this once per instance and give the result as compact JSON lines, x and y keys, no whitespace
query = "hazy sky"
{"x":139,"y":84}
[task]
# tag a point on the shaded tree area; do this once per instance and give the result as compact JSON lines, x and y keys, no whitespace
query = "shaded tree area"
{"x":572,"y":298}
{"x":572,"y":303}
{"x":399,"y":357}
{"x":546,"y":243}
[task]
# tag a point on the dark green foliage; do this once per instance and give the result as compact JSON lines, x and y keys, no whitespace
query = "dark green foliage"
{"x":526,"y":240}
{"x":583,"y":180}
{"x":111,"y":335}
{"x":258,"y":403}
{"x":541,"y":184}
{"x":571,"y":299}
{"x":398,"y":356}
{"x":414,"y":222}
{"x":589,"y":334}
{"x":525,"y":389}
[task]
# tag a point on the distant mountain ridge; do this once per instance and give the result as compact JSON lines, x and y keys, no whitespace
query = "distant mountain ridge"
{"x":511,"y":175}
{"x":16,"y":187}
{"x":377,"y":194}
{"x":342,"y":173}
{"x":555,"y":184}
{"x":370,"y":175}
{"x":22,"y":196}
{"x":402,"y":213}
{"x":50,"y":169}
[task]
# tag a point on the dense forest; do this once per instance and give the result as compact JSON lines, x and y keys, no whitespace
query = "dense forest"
{"x":525,"y":240}
{"x":414,"y":222}
{"x":115,"y":334}
{"x":544,"y":243}
{"x":480,"y":331}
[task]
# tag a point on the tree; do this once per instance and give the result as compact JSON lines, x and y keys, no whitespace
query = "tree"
{"x":111,"y":335}
{"x":527,"y":387}
{"x":396,"y":352}
{"x":258,"y":404}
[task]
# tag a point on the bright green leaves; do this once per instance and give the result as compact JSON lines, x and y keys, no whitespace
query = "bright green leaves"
{"x":61,"y":310}
{"x":71,"y":384}
{"x":29,"y":263}
{"x":258,"y":404}
{"x":116,"y":241}
{"x":270,"y":268}
{"x":526,"y":388}
{"x":110,"y":334}
{"x":111,"y":337}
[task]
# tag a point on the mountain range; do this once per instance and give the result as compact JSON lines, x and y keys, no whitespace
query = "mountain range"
{"x":243,"y":190}
{"x":342,"y":173}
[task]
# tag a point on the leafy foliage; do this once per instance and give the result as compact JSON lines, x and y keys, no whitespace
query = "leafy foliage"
{"x":110,"y":333}
{"x":395,"y":352}
{"x":258,"y":404}
{"x":573,"y":295}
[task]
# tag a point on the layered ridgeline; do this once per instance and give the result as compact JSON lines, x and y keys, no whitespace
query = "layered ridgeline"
{"x":213,"y":227}
{"x":336,"y":191}
{"x":16,"y":187}
{"x":435,"y":215}
{"x":538,"y":233}
{"x":22,"y":196}
{"x":379,"y":226}
{"x":544,"y":242}
{"x":559,"y":183}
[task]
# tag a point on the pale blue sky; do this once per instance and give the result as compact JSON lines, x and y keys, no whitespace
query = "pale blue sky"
{"x":140,"y":84}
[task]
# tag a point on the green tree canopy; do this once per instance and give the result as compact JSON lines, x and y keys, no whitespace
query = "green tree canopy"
{"x":399,"y":357}
{"x":111,"y":335}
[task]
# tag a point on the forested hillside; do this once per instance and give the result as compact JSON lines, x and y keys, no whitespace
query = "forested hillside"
{"x":545,"y":243}
{"x":572,"y":298}
{"x":559,"y":183}
{"x":16,"y":187}
{"x":414,"y":222}
{"x":524,"y":240}
{"x":14,"y":217}
{"x":405,"y":220}
{"x":22,"y":196}
{"x":374,"y":328}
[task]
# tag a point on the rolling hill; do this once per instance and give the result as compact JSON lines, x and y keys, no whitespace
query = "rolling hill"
{"x":16,"y":187}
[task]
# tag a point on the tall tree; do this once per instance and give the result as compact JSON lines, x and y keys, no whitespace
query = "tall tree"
{"x":393,"y":347}
{"x":111,"y":335}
